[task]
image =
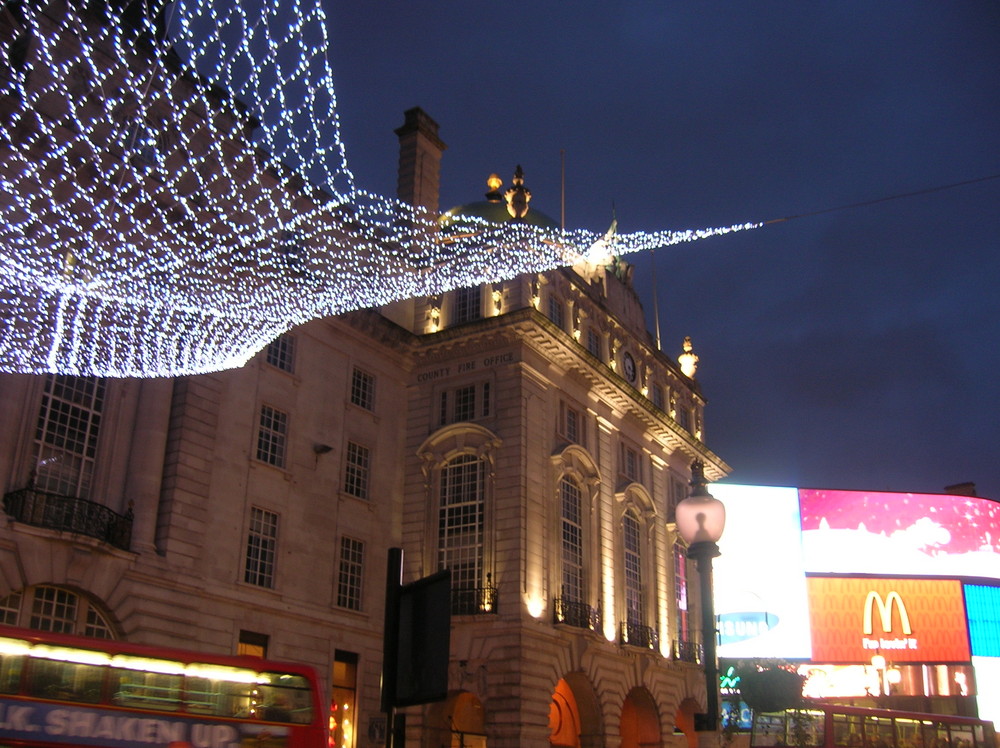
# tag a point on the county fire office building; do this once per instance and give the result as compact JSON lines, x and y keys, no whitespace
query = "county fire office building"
{"x":879,"y":599}
{"x":528,"y":435}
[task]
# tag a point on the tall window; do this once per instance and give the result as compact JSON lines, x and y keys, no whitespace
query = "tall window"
{"x":66,"y":436}
{"x":629,"y":464}
{"x":656,"y":395}
{"x":356,"y":470}
{"x":680,"y":593}
{"x":635,"y":605}
{"x":557,"y":312}
{"x":262,"y":546}
{"x":352,"y":558}
{"x":363,"y":389}
{"x":572,"y":424}
{"x":461,"y":521}
{"x":281,"y":353}
{"x":466,"y":305}
{"x":593,"y":342}
{"x":271,"y":436}
{"x":572,"y":541}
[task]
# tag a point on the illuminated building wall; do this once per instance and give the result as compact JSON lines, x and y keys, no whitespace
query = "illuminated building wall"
{"x":527,"y":433}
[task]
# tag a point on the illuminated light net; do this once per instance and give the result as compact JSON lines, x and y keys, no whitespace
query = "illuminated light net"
{"x":175,"y":194}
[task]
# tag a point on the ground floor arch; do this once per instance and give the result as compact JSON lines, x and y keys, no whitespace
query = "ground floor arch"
{"x":574,"y":714}
{"x":640,"y":721}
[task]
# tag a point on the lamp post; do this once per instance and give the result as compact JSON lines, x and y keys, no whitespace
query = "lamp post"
{"x":700,"y":520}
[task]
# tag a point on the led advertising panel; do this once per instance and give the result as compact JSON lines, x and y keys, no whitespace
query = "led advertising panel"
{"x":911,"y":535}
{"x":983,"y":607}
{"x":905,"y":620}
{"x":760,"y":585}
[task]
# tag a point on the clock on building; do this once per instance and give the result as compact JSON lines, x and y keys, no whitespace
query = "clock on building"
{"x":629,"y":363}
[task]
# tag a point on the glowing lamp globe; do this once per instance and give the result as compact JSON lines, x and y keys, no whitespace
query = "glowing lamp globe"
{"x":701,"y":517}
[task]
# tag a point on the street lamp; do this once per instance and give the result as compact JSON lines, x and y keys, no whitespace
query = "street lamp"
{"x":700,"y":520}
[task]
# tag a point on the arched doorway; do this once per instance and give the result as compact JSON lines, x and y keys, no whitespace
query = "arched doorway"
{"x":640,"y":724}
{"x":459,"y":722}
{"x":684,"y":721}
{"x":574,"y":714}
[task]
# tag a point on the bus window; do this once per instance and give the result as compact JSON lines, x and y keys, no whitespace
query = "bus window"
{"x":138,"y":690}
{"x":10,"y":673}
{"x":908,"y":734}
{"x":847,"y":730}
{"x":768,"y":730}
{"x":878,"y":732}
{"x":285,"y":698}
{"x":936,"y":735}
{"x":224,"y":698}
{"x":961,"y":736}
{"x":66,"y":681}
{"x":805,"y":727}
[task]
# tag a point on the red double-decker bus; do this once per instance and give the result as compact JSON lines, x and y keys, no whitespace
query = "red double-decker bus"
{"x":834,"y":726}
{"x":58,"y":690}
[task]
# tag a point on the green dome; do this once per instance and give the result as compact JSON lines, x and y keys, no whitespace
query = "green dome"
{"x":510,"y":206}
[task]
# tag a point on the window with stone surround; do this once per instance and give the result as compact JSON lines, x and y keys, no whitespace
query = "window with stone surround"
{"x":272,"y":436}
{"x":262,"y":548}
{"x":281,"y":353}
{"x":350,"y":573}
{"x":66,"y":436}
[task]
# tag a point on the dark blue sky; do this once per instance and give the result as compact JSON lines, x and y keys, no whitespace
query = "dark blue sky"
{"x":853,"y":349}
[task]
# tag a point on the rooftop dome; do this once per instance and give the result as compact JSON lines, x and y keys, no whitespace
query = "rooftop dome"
{"x":501,"y":206}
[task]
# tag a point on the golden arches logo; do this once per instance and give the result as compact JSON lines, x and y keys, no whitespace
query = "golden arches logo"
{"x":874,"y":600}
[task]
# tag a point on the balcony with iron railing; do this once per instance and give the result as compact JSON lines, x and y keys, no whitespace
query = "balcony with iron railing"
{"x":685,"y":651}
{"x":639,"y":635}
{"x":70,"y":514}
{"x":576,"y":613}
{"x":474,"y":601}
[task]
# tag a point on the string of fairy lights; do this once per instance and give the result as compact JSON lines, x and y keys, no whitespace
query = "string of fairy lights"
{"x":175,"y":192}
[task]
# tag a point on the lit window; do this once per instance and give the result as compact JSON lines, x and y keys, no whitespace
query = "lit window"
{"x":572,"y":541}
{"x":253,"y":644}
{"x":281,"y":353}
{"x":343,"y":709}
{"x":363,"y":389}
{"x":271,"y":436}
{"x":357,"y":470}
{"x":680,"y":593}
{"x":352,"y":557}
{"x":262,"y":541}
{"x":635,"y":605}
{"x":67,"y":432}
{"x":460,"y":521}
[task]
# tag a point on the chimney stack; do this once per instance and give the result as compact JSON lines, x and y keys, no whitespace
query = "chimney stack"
{"x":420,"y":151}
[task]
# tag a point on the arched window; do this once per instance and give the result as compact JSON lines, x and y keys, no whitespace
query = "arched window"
{"x":461,"y":513}
{"x":57,"y":609}
{"x":571,"y":499}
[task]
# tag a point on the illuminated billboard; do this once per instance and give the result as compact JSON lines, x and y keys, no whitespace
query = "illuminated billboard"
{"x":760,"y":585}
{"x":902,"y":534}
{"x":905,"y":620}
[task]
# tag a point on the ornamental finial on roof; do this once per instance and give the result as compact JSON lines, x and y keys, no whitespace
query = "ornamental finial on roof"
{"x":518,"y":196}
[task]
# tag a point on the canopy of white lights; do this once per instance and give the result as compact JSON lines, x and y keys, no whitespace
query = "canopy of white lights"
{"x":175,"y":194}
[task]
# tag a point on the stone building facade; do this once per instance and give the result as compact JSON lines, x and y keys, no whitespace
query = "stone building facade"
{"x":526,"y":434}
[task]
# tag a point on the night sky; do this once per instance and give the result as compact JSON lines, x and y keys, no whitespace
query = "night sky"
{"x":852,"y":349}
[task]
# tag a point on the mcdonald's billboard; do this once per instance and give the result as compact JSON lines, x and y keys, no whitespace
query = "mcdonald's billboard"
{"x":907,"y":620}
